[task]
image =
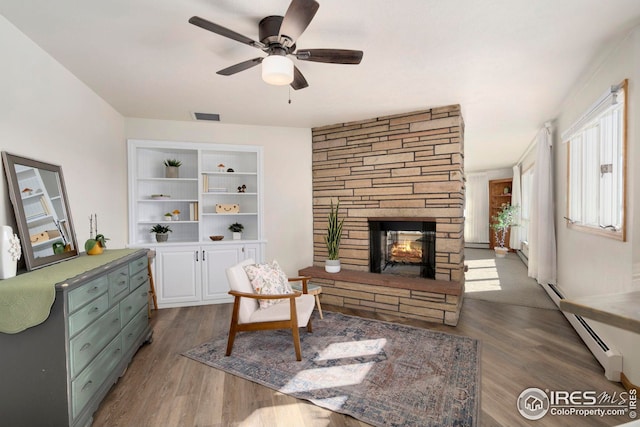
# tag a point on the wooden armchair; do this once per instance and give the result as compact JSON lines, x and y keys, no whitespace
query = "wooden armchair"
{"x":293,"y":312}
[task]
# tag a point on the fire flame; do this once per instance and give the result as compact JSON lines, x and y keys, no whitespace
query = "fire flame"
{"x":405,"y":252}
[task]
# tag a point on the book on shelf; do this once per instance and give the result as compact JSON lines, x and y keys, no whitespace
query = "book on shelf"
{"x":205,"y":182}
{"x":193,"y":211}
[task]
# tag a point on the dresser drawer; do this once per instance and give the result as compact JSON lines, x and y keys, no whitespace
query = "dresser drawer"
{"x":118,"y":284}
{"x":132,"y":331}
{"x":137,"y":265}
{"x":87,"y":314}
{"x":88,"y":343}
{"x":132,"y":303}
{"x":85,"y":385}
{"x":82,"y":295}
{"x":138,"y":279}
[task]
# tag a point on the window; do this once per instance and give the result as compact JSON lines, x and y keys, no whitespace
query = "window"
{"x":596,"y":162}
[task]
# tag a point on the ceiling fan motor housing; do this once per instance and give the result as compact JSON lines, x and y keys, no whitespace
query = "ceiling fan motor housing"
{"x":269,"y":33}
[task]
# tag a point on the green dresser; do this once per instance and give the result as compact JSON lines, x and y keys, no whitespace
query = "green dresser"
{"x":56,"y":373}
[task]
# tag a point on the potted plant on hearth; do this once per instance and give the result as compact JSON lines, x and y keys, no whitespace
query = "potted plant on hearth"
{"x":171,"y":168}
{"x":502,"y":222}
{"x":236,"y":228}
{"x":162,"y":232}
{"x":332,"y":239}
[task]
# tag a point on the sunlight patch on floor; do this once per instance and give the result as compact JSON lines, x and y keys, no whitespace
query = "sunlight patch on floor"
{"x":482,"y":276}
{"x":343,"y":350}
{"x":291,"y":412}
{"x":329,"y":377}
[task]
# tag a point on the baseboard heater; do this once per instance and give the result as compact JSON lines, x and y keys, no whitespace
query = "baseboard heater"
{"x":611,"y":360}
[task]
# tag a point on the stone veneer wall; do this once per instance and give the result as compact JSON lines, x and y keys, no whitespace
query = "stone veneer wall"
{"x":406,"y":165}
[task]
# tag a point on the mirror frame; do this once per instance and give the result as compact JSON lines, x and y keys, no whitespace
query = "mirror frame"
{"x":10,"y":161}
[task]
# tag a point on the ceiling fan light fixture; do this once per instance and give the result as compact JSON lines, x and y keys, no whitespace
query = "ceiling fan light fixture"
{"x":277,"y":70}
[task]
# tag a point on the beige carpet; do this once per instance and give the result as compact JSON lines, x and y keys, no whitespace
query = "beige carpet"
{"x":502,"y":280}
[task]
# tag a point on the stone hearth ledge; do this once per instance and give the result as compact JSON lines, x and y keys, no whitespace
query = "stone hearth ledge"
{"x":438,"y":301}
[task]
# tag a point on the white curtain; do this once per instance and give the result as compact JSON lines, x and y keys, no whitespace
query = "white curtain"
{"x":542,"y":234}
{"x":516,"y":200}
{"x":476,"y":222}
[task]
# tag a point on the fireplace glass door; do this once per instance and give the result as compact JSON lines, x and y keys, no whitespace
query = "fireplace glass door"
{"x":405,"y":248}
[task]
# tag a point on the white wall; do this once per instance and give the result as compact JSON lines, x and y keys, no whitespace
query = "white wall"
{"x":590,"y":264}
{"x":288,"y":199}
{"x":47,"y":114}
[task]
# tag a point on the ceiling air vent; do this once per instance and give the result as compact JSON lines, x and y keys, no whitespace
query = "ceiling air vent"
{"x":210,"y":117}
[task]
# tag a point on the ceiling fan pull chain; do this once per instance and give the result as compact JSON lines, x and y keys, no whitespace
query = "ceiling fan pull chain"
{"x":289,"y":94}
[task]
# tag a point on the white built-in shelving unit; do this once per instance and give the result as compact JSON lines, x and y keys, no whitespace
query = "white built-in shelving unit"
{"x":210,"y":175}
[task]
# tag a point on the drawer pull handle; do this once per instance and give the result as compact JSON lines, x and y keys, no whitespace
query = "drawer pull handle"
{"x":122,"y":273}
{"x":85,"y":346}
{"x":93,"y":290}
{"x":87,"y":385}
{"x":129,"y":308}
{"x":116,"y":320}
{"x":94,"y":310}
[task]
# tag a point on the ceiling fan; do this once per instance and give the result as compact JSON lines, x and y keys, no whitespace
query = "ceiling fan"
{"x":278,"y":37}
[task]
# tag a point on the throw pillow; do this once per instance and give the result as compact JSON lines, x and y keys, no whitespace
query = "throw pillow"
{"x":268,"y":279}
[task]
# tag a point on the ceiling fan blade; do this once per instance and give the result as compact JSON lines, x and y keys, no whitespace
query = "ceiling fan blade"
{"x":240,"y":67}
{"x":299,"y":82}
{"x":332,"y":56}
{"x":225,"y":32}
{"x":297,"y":19}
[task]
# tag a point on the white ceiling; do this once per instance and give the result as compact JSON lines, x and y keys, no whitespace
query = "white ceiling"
{"x":508,"y":63}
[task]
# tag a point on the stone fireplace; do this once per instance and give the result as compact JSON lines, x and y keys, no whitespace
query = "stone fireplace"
{"x":407,"y":166}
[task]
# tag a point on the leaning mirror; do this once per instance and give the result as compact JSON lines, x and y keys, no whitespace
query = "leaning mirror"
{"x":39,"y":199}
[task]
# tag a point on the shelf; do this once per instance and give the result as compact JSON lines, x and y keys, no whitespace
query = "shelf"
{"x":167,"y":200}
{"x":167,"y":179}
{"x":225,"y":193}
{"x":46,"y":243}
{"x":41,"y":220}
{"x":229,"y":214}
{"x":229,"y":173}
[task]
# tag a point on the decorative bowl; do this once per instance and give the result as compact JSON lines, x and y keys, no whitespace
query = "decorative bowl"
{"x":216,"y":237}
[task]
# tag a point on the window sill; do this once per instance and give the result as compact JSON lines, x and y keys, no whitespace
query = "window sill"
{"x":610,"y":234}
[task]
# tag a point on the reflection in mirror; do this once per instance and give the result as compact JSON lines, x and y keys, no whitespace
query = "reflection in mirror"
{"x":39,"y":199}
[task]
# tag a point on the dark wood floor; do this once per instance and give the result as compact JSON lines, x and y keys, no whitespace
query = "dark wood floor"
{"x":521,"y":347}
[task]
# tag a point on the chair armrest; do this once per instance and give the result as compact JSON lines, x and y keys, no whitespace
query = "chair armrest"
{"x":303,"y":279}
{"x":295,"y":294}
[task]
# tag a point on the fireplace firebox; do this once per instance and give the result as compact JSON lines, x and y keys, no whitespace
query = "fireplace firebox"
{"x":405,"y":247}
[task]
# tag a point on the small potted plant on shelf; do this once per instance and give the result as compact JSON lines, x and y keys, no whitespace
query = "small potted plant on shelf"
{"x":171,"y":168}
{"x":162,"y":232}
{"x":502,"y":222}
{"x":236,"y":228}
{"x":332,"y":239}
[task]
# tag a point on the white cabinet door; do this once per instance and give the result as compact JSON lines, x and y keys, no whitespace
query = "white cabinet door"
{"x":214,"y":277}
{"x":178,"y":275}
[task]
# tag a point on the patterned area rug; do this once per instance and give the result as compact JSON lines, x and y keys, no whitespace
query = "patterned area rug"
{"x":384,"y":374}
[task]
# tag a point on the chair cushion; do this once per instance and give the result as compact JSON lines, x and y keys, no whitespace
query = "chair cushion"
{"x":280,"y":311}
{"x":268,"y":279}
{"x":238,"y":281}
